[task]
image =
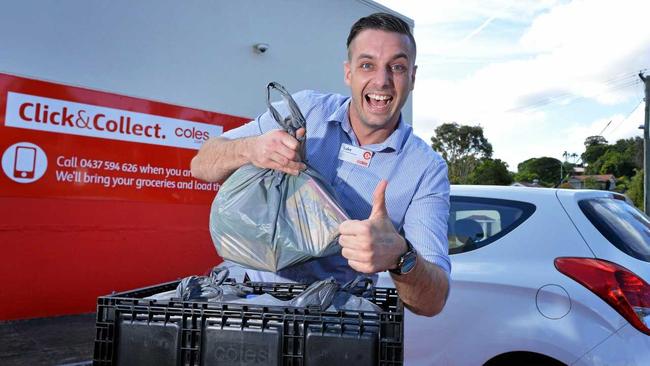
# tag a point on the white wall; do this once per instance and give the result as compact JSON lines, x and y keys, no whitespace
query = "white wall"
{"x":196,"y":53}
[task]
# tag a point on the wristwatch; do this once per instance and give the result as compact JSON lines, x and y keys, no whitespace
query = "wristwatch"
{"x":407,"y":261}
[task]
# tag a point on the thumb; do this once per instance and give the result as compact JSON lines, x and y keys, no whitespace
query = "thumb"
{"x":379,"y":201}
{"x":300,"y":133}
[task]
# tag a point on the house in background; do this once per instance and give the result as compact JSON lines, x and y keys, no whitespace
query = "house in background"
{"x":606,"y":182}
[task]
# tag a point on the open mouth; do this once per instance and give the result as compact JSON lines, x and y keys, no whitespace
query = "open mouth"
{"x":378,"y":101}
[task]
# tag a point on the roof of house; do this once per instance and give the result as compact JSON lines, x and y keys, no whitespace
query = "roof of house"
{"x":598,"y":178}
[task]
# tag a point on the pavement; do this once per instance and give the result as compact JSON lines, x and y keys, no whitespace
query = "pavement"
{"x":61,"y":341}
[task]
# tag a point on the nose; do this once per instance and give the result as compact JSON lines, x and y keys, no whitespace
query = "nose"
{"x":383,"y":78}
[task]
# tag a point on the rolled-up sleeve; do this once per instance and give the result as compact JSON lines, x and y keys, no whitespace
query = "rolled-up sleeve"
{"x":265,"y":122}
{"x":425,"y":222}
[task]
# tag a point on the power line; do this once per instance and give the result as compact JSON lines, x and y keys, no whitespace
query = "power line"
{"x":604,"y":128}
{"x":615,"y":83}
{"x":627,"y":117}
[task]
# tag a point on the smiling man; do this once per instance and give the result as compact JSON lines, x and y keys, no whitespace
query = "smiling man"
{"x":391,"y":183}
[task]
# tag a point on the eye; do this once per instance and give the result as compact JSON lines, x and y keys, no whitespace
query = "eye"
{"x":398,"y":68}
{"x":365,"y":66}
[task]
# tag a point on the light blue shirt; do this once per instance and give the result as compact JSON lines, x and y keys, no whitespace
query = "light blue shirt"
{"x":417,"y":196}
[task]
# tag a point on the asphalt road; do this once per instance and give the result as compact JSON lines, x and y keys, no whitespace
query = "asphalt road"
{"x":66,"y":340}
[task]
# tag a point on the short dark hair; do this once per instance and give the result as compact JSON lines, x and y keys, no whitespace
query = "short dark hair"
{"x":381,"y":21}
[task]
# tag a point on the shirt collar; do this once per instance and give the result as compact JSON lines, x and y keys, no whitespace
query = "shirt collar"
{"x":394,"y":142}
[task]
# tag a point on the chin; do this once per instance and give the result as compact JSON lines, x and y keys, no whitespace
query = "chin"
{"x":379,"y":122}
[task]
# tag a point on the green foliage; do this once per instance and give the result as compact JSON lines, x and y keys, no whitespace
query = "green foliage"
{"x":462,"y":147}
{"x":595,"y":140}
{"x":595,"y":147}
{"x":633,"y":150}
{"x":622,"y":184}
{"x":635,"y":190}
{"x":460,"y":169}
{"x":592,"y":183}
{"x":526,"y":176}
{"x":491,"y":172}
{"x":546,"y":169}
{"x":619,"y":159}
{"x":614,"y":162}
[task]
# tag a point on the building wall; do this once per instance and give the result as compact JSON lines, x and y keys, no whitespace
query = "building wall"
{"x":61,"y":252}
{"x":193,"y":53}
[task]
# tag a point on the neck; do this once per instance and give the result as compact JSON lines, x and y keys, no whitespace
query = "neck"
{"x":372,"y":136}
{"x":369,"y":135}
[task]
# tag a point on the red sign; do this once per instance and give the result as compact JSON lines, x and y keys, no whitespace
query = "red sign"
{"x":97,"y":195}
{"x":74,"y":142}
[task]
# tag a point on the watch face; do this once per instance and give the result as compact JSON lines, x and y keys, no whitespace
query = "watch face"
{"x":409,"y":262}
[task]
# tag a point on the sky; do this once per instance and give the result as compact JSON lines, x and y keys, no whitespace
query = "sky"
{"x":539,"y":76}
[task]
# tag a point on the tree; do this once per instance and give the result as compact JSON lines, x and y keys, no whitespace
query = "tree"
{"x":614,"y":162}
{"x":526,"y":177}
{"x":622,"y":184}
{"x":595,"y":147}
{"x":462,"y":147}
{"x":492,"y":172}
{"x":620,"y":159}
{"x":635,"y":191}
{"x":546,"y":169}
{"x":595,"y":140}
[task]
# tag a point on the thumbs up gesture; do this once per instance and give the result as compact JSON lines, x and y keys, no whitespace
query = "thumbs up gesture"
{"x":372,"y":245}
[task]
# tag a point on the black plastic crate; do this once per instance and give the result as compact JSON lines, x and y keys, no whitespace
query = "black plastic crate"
{"x":134,"y":331}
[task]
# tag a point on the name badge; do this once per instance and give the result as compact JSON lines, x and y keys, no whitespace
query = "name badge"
{"x":355,"y":155}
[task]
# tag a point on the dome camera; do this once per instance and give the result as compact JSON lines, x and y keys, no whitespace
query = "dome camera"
{"x":261,"y":47}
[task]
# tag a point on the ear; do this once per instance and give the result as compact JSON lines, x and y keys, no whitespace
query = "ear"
{"x":415,"y":68}
{"x":346,"y":72}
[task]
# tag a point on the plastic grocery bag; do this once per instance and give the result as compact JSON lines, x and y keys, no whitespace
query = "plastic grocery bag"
{"x":268,"y":220}
{"x":212,"y":287}
{"x":326,"y":294}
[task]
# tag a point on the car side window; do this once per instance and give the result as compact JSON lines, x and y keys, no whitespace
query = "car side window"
{"x":475,"y":222}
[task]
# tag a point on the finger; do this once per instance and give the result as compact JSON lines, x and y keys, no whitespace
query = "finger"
{"x":294,"y":165}
{"x":279,"y":159}
{"x":379,"y":201}
{"x":290,"y":142}
{"x":360,"y":266}
{"x":291,"y":167}
{"x":350,"y":227}
{"x":355,"y":255}
{"x":287,"y":152}
{"x":347,"y":241}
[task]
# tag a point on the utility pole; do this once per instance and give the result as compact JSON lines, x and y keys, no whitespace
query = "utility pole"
{"x":646,"y":147}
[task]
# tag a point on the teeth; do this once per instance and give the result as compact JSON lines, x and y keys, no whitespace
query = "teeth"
{"x":379,"y":97}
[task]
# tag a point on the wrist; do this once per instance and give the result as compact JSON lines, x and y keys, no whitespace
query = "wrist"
{"x":247,"y":148}
{"x":407,"y":260}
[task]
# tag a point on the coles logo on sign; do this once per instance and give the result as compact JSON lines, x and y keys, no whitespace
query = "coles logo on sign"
{"x":192,"y":133}
{"x":61,"y":116}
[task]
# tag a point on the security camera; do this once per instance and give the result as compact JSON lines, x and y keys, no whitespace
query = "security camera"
{"x":261,"y":47}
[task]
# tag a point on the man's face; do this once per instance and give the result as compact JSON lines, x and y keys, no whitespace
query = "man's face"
{"x":380,"y":73}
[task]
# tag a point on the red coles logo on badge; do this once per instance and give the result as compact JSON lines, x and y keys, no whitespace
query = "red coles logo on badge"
{"x":367,"y":155}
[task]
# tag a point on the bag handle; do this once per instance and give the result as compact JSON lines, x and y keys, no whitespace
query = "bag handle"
{"x":291,"y":123}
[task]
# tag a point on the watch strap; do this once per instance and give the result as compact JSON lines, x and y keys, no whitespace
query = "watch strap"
{"x":405,"y":262}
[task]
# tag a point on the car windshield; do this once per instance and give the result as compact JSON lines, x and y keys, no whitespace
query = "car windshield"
{"x":621,"y":223}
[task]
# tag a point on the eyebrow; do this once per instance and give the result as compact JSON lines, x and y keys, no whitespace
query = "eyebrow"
{"x":397,"y":56}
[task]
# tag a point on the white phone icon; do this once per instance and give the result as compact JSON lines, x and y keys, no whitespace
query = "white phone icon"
{"x":24,"y":162}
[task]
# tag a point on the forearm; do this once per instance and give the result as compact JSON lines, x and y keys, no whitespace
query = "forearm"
{"x":220,"y":157}
{"x":424,"y":289}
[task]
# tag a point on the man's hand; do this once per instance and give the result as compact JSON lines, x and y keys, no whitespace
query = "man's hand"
{"x":277,"y":150}
{"x":372,"y":245}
